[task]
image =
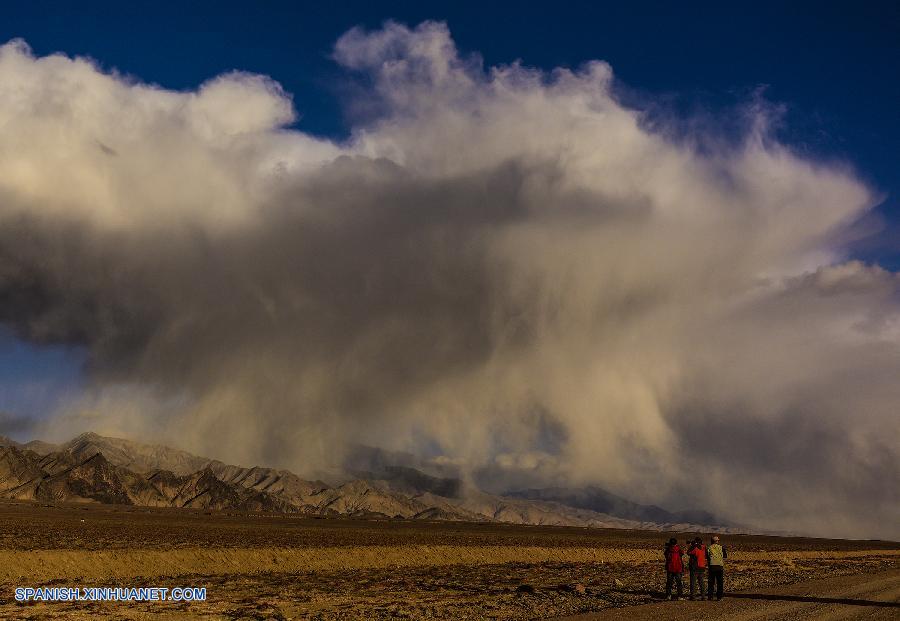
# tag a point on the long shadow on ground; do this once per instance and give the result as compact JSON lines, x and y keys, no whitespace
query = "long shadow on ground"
{"x":782,"y":598}
{"x":816,"y":600}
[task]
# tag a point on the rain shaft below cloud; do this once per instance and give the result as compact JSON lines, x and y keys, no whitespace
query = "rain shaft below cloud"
{"x":500,"y":266}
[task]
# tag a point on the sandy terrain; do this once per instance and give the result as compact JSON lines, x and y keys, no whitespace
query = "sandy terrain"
{"x":267,"y":566}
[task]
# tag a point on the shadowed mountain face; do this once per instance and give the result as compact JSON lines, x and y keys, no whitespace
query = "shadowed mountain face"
{"x":411,"y":481}
{"x":597,"y":499}
{"x":94,"y":468}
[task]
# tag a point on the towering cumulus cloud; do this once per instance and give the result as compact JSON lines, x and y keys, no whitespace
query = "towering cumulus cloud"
{"x":502,"y":267}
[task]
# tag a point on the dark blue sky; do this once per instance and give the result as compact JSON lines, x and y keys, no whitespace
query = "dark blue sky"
{"x":835,"y":66}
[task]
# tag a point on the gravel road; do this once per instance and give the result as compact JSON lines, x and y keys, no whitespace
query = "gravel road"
{"x":860,"y":596}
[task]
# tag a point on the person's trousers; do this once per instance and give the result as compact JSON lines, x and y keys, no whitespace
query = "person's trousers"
{"x":698,"y":580}
{"x":674,"y":578}
{"x":716,"y":577}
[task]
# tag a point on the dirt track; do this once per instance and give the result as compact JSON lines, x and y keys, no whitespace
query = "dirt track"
{"x":860,"y":596}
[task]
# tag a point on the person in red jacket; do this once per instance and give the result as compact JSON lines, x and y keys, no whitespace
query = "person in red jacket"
{"x":697,"y":566}
{"x":674,"y":568}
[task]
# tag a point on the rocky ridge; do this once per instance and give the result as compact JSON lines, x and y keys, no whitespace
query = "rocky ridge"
{"x":94,"y":468}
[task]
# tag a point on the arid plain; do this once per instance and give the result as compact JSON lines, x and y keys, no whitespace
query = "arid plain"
{"x":269,"y":566}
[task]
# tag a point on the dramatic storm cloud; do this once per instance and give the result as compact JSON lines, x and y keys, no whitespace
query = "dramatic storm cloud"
{"x":503,"y":268}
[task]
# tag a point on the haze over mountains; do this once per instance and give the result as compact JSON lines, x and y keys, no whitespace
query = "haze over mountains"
{"x":520,"y":268}
{"x":375,"y":483}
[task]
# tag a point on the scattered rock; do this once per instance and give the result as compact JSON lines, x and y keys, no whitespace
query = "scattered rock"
{"x":618,"y":583}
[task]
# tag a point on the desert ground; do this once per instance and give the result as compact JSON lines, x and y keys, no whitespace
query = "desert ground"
{"x":268,"y":566}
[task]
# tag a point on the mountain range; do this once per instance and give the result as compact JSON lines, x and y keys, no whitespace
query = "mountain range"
{"x":375,"y":484}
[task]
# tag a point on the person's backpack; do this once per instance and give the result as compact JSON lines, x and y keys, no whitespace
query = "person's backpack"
{"x":673,"y":559}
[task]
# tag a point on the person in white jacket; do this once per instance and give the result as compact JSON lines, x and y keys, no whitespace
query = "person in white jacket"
{"x":715,"y":559}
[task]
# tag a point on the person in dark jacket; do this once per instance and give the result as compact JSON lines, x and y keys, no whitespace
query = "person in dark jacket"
{"x":715,"y":558}
{"x":674,"y":568}
{"x":697,"y":567}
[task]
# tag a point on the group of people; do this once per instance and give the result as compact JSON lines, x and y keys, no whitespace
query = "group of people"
{"x":706,"y":565}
